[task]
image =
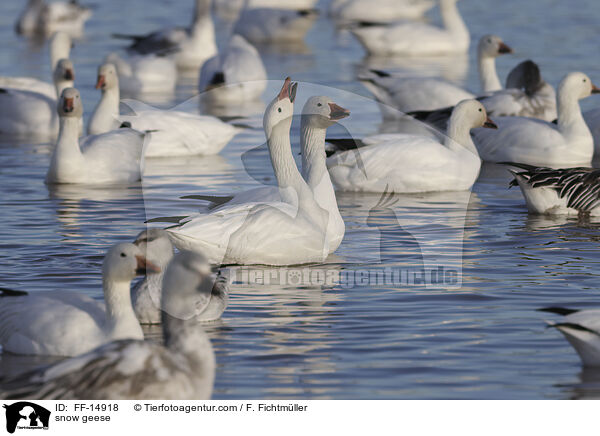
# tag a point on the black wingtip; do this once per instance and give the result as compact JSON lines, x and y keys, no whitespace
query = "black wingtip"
{"x":368,"y":24}
{"x":5,"y":292}
{"x":217,"y":79}
{"x":558,"y":310}
{"x":308,"y":12}
{"x":573,"y":326}
{"x":380,"y":73}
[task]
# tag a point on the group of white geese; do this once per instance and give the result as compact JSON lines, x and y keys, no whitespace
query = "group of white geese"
{"x":540,"y":133}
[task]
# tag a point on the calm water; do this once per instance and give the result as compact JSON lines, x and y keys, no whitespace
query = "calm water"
{"x":474,"y":335}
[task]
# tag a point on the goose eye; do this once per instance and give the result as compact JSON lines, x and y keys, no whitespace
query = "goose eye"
{"x":584,"y":80}
{"x":489,"y":40}
{"x":278,"y":109}
{"x":123,"y":255}
{"x":319,"y":104}
{"x":480,"y":110}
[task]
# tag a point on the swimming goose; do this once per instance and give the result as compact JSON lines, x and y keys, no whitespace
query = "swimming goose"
{"x":417,"y":39}
{"x":230,"y":9}
{"x":277,"y":26}
{"x":146,"y":294}
{"x":144,"y":74}
{"x":290,"y":231}
{"x":582,"y":329}
{"x":564,"y":191}
{"x":526,"y":95}
{"x":536,"y":142}
{"x":46,"y":18}
{"x":113,"y":157}
{"x":189,"y":47}
{"x":425,"y":93}
{"x":64,"y":323}
{"x":318,"y":114}
{"x":235,"y":75}
{"x":60,"y":48}
{"x":378,"y":11}
{"x":174,"y":133}
{"x":33,"y":114}
{"x":403,"y":163}
{"x":183,"y":368}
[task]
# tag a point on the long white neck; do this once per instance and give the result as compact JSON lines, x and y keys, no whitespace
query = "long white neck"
{"x":458,"y":136}
{"x":106,"y":114}
{"x":312,"y":142}
{"x":570,"y":120}
{"x":61,"y":85}
{"x":488,"y":77}
{"x":292,"y":186}
{"x":121,"y":321}
{"x":203,"y":28}
{"x":453,"y":22}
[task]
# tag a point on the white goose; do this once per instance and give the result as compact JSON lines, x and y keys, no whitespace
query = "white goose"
{"x":60,"y":48}
{"x":426,"y":94}
{"x":318,"y":114}
{"x":174,"y":133}
{"x":526,"y":95}
{"x":114,"y":157}
{"x":564,"y":191}
{"x":277,"y":26}
{"x":536,"y":142}
{"x":181,"y":369}
{"x":291,"y":231}
{"x":33,"y":114}
{"x":146,"y":294}
{"x":189,"y":47}
{"x":235,"y":75}
{"x":230,"y":9}
{"x":46,"y":18}
{"x":378,"y":11}
{"x":144,"y":74}
{"x":64,"y":323}
{"x":417,"y":39}
{"x":404,"y":163}
{"x":582,"y":329}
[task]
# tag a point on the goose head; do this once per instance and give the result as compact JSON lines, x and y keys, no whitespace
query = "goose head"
{"x":187,"y":283}
{"x":107,"y":77}
{"x":125,"y":261}
{"x":60,"y":47}
{"x":156,"y":246}
{"x":578,"y":85}
{"x":280,"y":111}
{"x":69,"y":104}
{"x":471,"y":114}
{"x":64,"y":75}
{"x":322,"y":112}
{"x":492,"y":46}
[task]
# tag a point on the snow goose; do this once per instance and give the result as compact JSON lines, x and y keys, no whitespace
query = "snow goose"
{"x":582,"y":329}
{"x":526,"y":140}
{"x":235,"y":75}
{"x":146,"y":294}
{"x":64,"y":323}
{"x":174,"y":133}
{"x":41,"y":18}
{"x":417,"y":39}
{"x":290,"y":231}
{"x":277,"y":26}
{"x":183,"y":368}
{"x":318,"y":114}
{"x":426,"y":93}
{"x":230,"y":9}
{"x":144,"y":74}
{"x":33,"y":114}
{"x":378,"y":11}
{"x":60,"y":48}
{"x":526,"y":95}
{"x":404,"y":163}
{"x":113,"y":157}
{"x":564,"y":191}
{"x":189,"y":47}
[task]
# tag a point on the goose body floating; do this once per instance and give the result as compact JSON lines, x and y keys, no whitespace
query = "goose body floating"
{"x":181,"y":368}
{"x":403,"y":163}
{"x":113,"y":157}
{"x":43,"y":18}
{"x":63,"y":323}
{"x":378,"y":11}
{"x":275,"y":26}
